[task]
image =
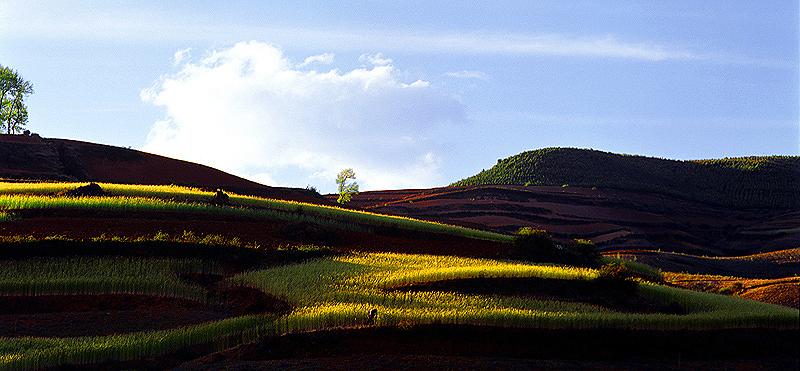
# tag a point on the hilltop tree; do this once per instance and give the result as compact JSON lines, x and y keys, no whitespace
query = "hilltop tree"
{"x":13,"y":89}
{"x":346,"y":189}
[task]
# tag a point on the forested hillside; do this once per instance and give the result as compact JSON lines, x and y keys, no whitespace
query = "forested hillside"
{"x":747,"y":182}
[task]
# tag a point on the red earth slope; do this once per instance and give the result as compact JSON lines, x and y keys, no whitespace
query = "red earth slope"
{"x":33,"y":157}
{"x":613,"y":219}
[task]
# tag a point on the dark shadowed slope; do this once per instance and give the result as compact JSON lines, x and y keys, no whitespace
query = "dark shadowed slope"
{"x":746,"y":182}
{"x":613,"y":219}
{"x":23,"y":157}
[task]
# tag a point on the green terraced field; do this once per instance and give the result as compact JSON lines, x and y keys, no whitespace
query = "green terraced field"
{"x":347,"y":290}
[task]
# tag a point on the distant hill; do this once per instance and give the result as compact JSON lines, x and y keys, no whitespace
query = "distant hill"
{"x":35,"y":158}
{"x":746,"y":182}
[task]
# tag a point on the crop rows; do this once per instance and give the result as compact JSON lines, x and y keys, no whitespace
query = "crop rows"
{"x":89,"y":275}
{"x":341,"y":291}
{"x":112,"y":189}
{"x":40,"y":353}
{"x":114,"y":275}
{"x":143,"y":198}
{"x":374,"y":274}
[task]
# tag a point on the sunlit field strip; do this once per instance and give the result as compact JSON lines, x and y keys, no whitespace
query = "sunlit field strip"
{"x":165,"y":191}
{"x":107,"y":275}
{"x":361,"y":273}
{"x":177,"y":198}
{"x":340,"y":292}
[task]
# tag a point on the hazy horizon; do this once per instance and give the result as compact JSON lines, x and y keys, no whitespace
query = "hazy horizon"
{"x":410,"y":95}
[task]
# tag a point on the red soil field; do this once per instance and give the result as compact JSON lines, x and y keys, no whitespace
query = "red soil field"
{"x":23,"y":157}
{"x":613,"y":219}
{"x":782,"y":291}
{"x":87,"y":315}
{"x":774,"y":264}
{"x":98,"y":315}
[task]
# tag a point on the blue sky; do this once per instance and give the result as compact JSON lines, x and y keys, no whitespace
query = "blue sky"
{"x":410,"y":94}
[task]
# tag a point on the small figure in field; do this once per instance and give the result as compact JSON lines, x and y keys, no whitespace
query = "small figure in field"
{"x":372,"y":315}
{"x":221,"y":197}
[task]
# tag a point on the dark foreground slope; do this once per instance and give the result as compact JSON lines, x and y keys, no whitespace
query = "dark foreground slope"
{"x":491,"y":348}
{"x":32,"y":157}
{"x":746,"y":182}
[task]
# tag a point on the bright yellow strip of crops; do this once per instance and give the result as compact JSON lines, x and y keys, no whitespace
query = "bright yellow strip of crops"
{"x":368,"y":275}
{"x":36,"y":188}
{"x":9,"y":191}
{"x":141,"y":190}
{"x":400,"y":269}
{"x":341,"y":291}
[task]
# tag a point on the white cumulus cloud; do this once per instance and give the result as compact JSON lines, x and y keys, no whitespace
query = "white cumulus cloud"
{"x":376,"y":59}
{"x":324,"y":58}
{"x":181,"y":55}
{"x":249,"y":110}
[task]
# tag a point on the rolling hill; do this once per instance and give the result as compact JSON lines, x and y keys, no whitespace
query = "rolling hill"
{"x":717,"y":207}
{"x":613,"y":219}
{"x":35,"y":158}
{"x":746,"y":182}
{"x":142,"y":276}
{"x":628,"y":206}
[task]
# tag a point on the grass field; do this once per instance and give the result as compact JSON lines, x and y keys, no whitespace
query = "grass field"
{"x":93,"y":275}
{"x":38,"y":353}
{"x":341,"y":291}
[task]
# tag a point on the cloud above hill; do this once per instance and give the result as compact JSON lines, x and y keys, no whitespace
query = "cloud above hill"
{"x":248,"y":109}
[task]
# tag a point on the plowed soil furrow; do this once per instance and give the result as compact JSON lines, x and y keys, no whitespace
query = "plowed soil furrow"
{"x":657,"y":221}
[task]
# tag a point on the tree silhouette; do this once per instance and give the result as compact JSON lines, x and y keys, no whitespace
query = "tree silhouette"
{"x":346,"y":189}
{"x":13,"y":89}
